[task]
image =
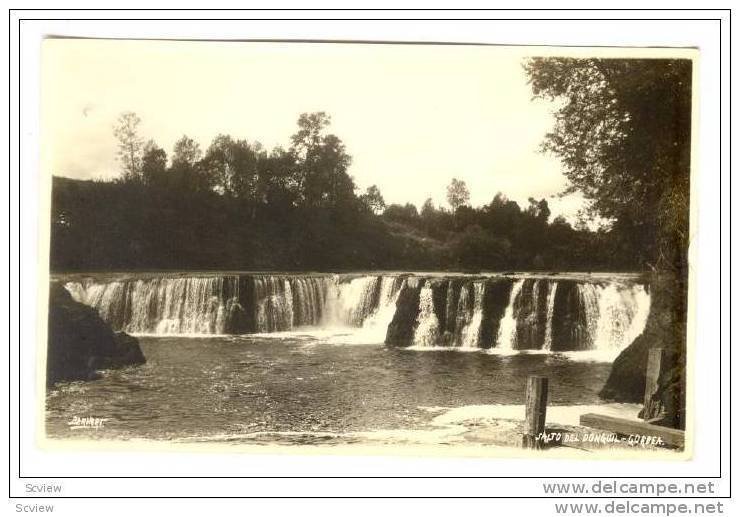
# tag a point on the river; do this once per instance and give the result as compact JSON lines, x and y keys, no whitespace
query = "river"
{"x":337,"y":359}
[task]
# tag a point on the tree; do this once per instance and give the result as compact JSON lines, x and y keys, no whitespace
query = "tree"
{"x":474,"y":248}
{"x":276,"y":180}
{"x":427,"y":209}
{"x":186,"y":169}
{"x":153,"y":164}
{"x":309,"y":134}
{"x":502,"y":216}
{"x":186,"y":151}
{"x":330,"y":185}
{"x":623,"y":134}
{"x":457,"y":194}
{"x":539,"y":209}
{"x":232,"y":167}
{"x":373,"y":199}
{"x":402,"y":213}
{"x":126,"y":131}
{"x":322,"y":163}
{"x":217,"y":164}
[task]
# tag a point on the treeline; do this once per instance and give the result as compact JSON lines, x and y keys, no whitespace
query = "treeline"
{"x":240,"y":206}
{"x":503,"y":236}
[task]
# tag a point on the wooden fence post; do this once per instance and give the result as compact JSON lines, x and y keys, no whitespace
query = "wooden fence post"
{"x":652,"y":376}
{"x":536,"y":409}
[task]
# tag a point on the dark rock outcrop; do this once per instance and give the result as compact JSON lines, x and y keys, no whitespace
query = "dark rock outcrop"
{"x":452,"y":298}
{"x":665,"y":328}
{"x":569,"y":324}
{"x":402,"y":327}
{"x":531,"y":308}
{"x":495,"y":300}
{"x":80,"y":343}
{"x":241,"y":318}
{"x":439,"y":298}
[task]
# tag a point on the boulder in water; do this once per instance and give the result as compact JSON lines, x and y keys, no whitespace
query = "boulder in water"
{"x":80,"y":343}
{"x":401,"y":329}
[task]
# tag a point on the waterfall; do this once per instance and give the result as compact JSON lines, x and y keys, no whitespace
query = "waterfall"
{"x":376,"y":325}
{"x":309,"y":298}
{"x":507,"y":327}
{"x":450,"y":307}
{"x":427,"y":329}
{"x":187,"y":307}
{"x":470,"y":332}
{"x":622,"y":315}
{"x":274,"y":304}
{"x":463,"y":314}
{"x":350,"y":302}
{"x":190,"y":305}
{"x":590,"y":301}
{"x":551,"y":314}
{"x":531,"y":315}
{"x":550,"y":309}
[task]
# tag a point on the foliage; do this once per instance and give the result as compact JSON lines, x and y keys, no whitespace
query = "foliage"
{"x":457,"y":194}
{"x":186,"y":152}
{"x":240,"y":206}
{"x":623,"y":134}
{"x":373,"y":199}
{"x":154,"y":165}
{"x":130,"y":145}
{"x":322,"y":163}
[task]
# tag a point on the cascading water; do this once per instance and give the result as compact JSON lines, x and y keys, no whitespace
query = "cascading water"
{"x":530,"y":309}
{"x":471,"y":331}
{"x":504,"y":312}
{"x":623,"y":313}
{"x":309,"y":298}
{"x":507,"y":327}
{"x":350,"y":302}
{"x":550,"y":309}
{"x":590,"y":299}
{"x":427,"y":324}
{"x":375,"y":326}
{"x":274,"y":303}
{"x":162,"y":306}
{"x":463,"y":314}
{"x":450,"y":306}
{"x":187,"y":307}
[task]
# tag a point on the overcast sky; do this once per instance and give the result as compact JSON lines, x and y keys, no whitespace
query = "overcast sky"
{"x":411,"y":116}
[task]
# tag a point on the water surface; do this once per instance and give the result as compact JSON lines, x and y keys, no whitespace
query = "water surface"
{"x":301,"y":388}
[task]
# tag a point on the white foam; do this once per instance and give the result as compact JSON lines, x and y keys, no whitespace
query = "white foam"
{"x":506,"y":338}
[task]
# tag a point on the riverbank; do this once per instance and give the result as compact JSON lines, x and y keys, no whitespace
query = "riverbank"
{"x":478,"y":430}
{"x":467,"y":431}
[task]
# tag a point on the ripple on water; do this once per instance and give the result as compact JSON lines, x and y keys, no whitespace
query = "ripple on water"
{"x":297,"y":386}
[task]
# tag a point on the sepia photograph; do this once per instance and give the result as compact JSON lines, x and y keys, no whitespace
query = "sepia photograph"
{"x":371,"y":248}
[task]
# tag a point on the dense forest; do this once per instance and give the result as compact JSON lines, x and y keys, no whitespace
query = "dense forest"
{"x":239,"y":206}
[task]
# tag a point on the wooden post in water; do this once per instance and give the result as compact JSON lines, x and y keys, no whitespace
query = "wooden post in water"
{"x":652,"y":376}
{"x":536,"y":409}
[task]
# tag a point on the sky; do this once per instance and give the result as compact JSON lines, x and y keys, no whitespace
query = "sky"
{"x":411,"y":116}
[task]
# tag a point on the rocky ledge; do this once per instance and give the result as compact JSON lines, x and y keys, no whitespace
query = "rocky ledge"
{"x":80,"y":343}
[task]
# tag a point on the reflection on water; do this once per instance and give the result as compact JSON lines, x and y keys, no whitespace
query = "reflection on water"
{"x":204,"y":388}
